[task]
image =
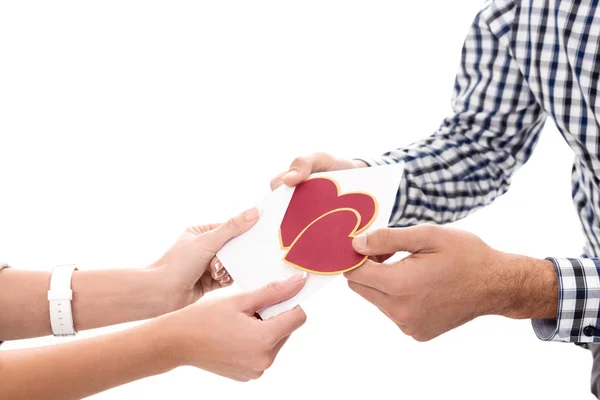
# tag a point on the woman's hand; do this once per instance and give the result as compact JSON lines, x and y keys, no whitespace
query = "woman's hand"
{"x":113,"y":296}
{"x":223,"y":336}
{"x":220,"y":336}
{"x":185,"y":267}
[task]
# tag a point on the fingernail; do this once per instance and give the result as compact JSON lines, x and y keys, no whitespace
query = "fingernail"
{"x":360,"y":242}
{"x":297,"y":278}
{"x":218,"y":266}
{"x":225,"y":279}
{"x":250,"y":215}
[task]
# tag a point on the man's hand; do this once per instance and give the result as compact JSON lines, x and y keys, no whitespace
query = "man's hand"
{"x":450,"y":278}
{"x":302,"y":167}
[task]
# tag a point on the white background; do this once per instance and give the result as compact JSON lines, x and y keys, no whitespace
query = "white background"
{"x":122,"y":122}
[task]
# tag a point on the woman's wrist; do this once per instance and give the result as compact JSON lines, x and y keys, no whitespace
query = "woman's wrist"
{"x":108,"y":297}
{"x":174,"y":294}
{"x":174,"y":341}
{"x":166,"y":343}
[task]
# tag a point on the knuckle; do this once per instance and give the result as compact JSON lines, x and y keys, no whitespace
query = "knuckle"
{"x":275,"y":287}
{"x":265,"y":362}
{"x":382,"y":237}
{"x":300,"y":162}
{"x":257,"y":374}
{"x":421,"y":338}
{"x":400,"y":316}
{"x":197,"y":229}
{"x":431,"y":233}
{"x":404,"y":329}
{"x":322,"y":156}
{"x":350,"y":283}
{"x":429,"y":228}
{"x":234,"y":223}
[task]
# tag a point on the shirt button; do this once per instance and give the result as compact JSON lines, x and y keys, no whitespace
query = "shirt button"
{"x":589,"y":331}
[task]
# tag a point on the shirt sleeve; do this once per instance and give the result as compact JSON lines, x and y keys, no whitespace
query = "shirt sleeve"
{"x":578,"y":303}
{"x":469,"y":160}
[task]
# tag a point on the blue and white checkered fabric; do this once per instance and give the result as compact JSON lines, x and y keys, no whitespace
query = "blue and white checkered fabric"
{"x":521,"y":62}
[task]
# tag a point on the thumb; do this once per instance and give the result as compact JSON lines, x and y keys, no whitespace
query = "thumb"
{"x":274,"y":292}
{"x":392,"y":240}
{"x":235,"y":226}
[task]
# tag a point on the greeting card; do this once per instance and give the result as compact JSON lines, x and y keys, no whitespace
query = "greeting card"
{"x":310,"y":228}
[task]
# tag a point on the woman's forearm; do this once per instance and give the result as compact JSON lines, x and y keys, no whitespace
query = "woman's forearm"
{"x":81,"y":368}
{"x":100,"y":298}
{"x":222,"y":336}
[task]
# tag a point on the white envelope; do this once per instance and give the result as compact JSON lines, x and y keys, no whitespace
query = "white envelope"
{"x":255,"y":258}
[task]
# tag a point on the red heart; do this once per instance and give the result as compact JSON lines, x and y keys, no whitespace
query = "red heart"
{"x":325,"y":245}
{"x":318,"y":196}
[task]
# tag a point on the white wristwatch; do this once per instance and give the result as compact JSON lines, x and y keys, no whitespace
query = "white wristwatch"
{"x":59,"y":298}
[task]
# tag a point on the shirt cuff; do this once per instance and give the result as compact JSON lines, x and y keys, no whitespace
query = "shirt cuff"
{"x":402,"y":196}
{"x":578,"y":303}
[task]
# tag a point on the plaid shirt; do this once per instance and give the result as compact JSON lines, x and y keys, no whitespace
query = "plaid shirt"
{"x":521,"y":62}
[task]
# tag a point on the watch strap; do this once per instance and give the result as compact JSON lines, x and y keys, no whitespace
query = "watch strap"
{"x":60,"y":296}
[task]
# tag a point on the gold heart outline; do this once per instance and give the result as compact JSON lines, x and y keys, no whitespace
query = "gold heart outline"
{"x":351,"y":235}
{"x":375,"y":212}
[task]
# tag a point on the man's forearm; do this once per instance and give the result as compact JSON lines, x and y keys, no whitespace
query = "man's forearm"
{"x":78,"y":369}
{"x":100,"y":298}
{"x":525,"y":287}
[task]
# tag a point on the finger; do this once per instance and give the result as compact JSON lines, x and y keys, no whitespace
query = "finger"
{"x":375,"y":275}
{"x":221,"y":274}
{"x":286,"y":323}
{"x":215,"y":267}
{"x":381,"y":258}
{"x":392,"y":240}
{"x":225,"y":281}
{"x":302,"y":167}
{"x":374,"y":296}
{"x":273,"y":293}
{"x":218,"y":272}
{"x":215,"y":285}
{"x":382,"y":301}
{"x":280,"y":344}
{"x":200,"y":229}
{"x":278,"y":180}
{"x":235,"y":226}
